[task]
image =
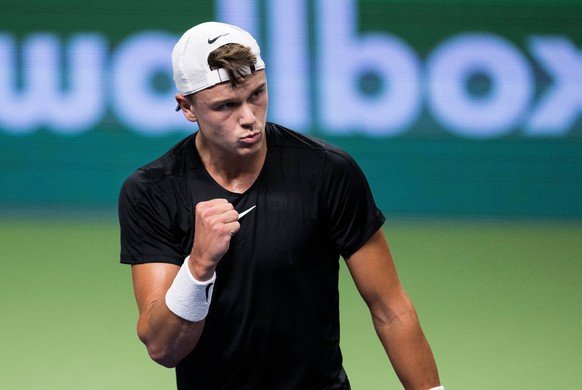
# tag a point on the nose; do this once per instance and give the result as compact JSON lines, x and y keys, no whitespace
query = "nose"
{"x":246,"y":115}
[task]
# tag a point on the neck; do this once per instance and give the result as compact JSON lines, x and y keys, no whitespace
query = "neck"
{"x":234,"y":173}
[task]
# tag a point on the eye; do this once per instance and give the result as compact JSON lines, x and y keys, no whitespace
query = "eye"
{"x":257,"y":94}
{"x":226,"y":106}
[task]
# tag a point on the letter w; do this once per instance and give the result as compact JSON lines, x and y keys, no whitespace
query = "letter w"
{"x":43,"y":94}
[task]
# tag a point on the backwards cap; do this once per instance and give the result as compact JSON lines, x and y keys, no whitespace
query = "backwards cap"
{"x":190,"y":55}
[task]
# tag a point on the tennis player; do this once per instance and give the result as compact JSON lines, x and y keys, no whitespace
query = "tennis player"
{"x":236,"y":233}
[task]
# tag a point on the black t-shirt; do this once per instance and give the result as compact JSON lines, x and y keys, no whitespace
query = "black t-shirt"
{"x":274,"y":318}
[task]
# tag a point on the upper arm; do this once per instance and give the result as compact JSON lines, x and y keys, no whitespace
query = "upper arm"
{"x":151,"y":281}
{"x":376,"y":278}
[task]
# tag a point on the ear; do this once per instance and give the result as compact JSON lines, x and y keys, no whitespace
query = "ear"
{"x":186,"y":107}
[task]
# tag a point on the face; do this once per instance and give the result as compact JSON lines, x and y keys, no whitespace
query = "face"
{"x":231,"y":121}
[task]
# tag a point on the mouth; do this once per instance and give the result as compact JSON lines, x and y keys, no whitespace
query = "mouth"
{"x":252,"y":138}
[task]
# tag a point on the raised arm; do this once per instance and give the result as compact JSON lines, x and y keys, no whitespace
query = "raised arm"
{"x":393,"y":314}
{"x":170,"y":335}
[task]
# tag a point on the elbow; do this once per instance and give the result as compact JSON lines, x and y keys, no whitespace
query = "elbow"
{"x":385,"y":315}
{"x":162,"y":357}
{"x":388,"y":318}
{"x":157,"y":352}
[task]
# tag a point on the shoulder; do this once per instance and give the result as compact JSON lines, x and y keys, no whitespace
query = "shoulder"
{"x":280,"y":137}
{"x":173,"y":164}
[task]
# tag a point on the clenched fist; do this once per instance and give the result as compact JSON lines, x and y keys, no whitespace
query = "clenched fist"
{"x":216,"y":223}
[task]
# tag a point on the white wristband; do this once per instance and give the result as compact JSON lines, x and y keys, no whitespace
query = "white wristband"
{"x":437,"y":388}
{"x":188,"y":298}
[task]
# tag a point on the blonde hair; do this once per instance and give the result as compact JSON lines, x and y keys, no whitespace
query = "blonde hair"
{"x":235,"y":59}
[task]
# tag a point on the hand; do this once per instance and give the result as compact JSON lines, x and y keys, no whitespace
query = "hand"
{"x":216,"y":223}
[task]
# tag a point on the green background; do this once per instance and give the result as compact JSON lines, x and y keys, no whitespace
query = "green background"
{"x":499,"y":302}
{"x":424,"y":172}
{"x":485,"y":234}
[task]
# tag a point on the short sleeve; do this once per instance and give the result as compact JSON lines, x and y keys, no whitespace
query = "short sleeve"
{"x":144,"y":219}
{"x":353,"y":216}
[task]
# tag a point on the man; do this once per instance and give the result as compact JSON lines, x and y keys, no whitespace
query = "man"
{"x":235,"y":234}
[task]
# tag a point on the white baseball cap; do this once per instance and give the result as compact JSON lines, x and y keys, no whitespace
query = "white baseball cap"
{"x":190,"y":55}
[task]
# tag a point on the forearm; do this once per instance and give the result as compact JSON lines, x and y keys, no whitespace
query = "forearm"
{"x":168,"y":338}
{"x":408,"y":350}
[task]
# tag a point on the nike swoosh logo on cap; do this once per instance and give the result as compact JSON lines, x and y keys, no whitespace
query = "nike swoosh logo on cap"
{"x":211,"y":41}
